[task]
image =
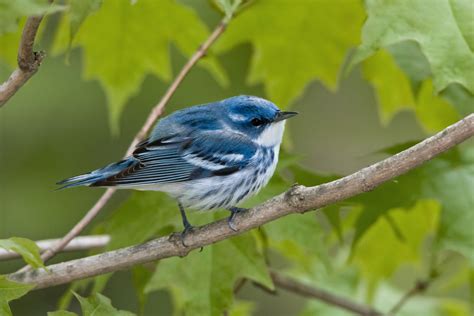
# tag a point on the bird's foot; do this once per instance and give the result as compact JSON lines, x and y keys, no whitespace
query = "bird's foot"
{"x":187,"y":229}
{"x":233,"y":212}
{"x":180,"y":237}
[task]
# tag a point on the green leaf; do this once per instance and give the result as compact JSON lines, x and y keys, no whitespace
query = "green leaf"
{"x":26,"y":248}
{"x":10,"y":291}
{"x":448,"y":179}
{"x":298,"y":237}
{"x":79,"y":10}
{"x":242,"y":308}
{"x":229,"y":7}
{"x":99,"y":305}
{"x":392,"y":87}
{"x":9,"y":43}
{"x":391,"y":22}
{"x":394,"y":92}
{"x":460,"y":98}
{"x":452,"y":184}
{"x":415,"y":65}
{"x":61,"y":313}
{"x":394,"y":240}
{"x":140,"y":218}
{"x":122,"y":43}
{"x":203,"y":281}
{"x":434,"y":112}
{"x":140,"y":277}
{"x":324,"y":32}
{"x":12,"y":11}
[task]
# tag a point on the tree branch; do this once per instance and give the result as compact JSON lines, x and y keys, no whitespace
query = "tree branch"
{"x":28,"y":60}
{"x":419,"y":287}
{"x":152,"y":117}
{"x":77,"y":244}
{"x":298,"y":199}
{"x":302,"y":289}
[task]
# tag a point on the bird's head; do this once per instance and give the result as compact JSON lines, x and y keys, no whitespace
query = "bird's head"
{"x":257,"y":118}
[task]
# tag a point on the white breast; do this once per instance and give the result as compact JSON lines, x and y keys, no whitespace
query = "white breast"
{"x":272,"y":135}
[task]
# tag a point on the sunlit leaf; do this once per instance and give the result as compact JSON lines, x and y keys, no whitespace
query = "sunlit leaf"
{"x":123,"y":42}
{"x":394,"y":240}
{"x":28,"y":249}
{"x":434,"y":112}
{"x":391,"y":85}
{"x":295,"y":42}
{"x":395,"y":92}
{"x":79,"y":10}
{"x":448,"y":179}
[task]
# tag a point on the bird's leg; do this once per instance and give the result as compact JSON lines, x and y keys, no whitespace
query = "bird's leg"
{"x":234,"y":211}
{"x":187,"y":226}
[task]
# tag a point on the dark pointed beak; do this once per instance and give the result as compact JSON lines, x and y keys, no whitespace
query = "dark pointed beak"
{"x":283,"y":115}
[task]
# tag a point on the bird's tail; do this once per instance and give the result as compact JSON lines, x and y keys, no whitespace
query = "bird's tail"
{"x":92,"y":177}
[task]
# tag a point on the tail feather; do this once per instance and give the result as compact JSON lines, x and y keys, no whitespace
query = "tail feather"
{"x":92,"y":177}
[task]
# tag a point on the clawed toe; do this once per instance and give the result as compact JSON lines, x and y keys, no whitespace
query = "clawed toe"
{"x":183,"y":234}
{"x":230,"y":221}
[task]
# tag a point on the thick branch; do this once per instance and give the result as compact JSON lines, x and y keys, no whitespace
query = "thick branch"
{"x":28,"y":60}
{"x":302,"y":289}
{"x":298,"y":199}
{"x":151,"y":119}
{"x":281,"y":281}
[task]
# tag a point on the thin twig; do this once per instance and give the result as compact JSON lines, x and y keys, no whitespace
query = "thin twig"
{"x":151,"y":119}
{"x":419,"y":287}
{"x":302,"y":289}
{"x":298,"y":199}
{"x":77,"y":244}
{"x":28,"y":60}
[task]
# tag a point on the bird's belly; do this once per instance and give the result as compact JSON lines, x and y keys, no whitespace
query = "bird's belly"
{"x":222,"y":191}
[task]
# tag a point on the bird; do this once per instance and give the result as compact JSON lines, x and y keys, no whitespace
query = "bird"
{"x":207,"y":156}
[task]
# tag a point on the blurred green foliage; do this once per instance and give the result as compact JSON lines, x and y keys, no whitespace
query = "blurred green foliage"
{"x":371,"y":248}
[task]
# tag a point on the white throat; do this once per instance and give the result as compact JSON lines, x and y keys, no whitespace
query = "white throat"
{"x":272,"y":135}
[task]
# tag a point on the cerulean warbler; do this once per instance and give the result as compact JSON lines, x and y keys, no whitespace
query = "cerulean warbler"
{"x":206,"y":156}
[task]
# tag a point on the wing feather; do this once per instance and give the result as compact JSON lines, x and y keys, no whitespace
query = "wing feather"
{"x":177,"y":159}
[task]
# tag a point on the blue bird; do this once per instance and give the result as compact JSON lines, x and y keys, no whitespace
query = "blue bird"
{"x":207,"y":156}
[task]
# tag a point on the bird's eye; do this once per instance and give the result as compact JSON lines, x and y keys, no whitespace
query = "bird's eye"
{"x":256,"y":122}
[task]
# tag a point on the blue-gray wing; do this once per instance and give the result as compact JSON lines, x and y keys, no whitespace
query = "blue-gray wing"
{"x":176,"y":159}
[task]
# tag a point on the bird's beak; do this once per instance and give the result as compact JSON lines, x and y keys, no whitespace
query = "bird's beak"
{"x":282,"y":115}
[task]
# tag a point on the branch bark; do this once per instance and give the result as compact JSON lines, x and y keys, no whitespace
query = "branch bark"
{"x":77,"y":244}
{"x":281,"y":281}
{"x":298,"y":199}
{"x":151,"y":119}
{"x":302,"y":289}
{"x":28,"y":60}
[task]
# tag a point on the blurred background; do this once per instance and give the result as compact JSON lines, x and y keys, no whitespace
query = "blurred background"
{"x":56,"y":126}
